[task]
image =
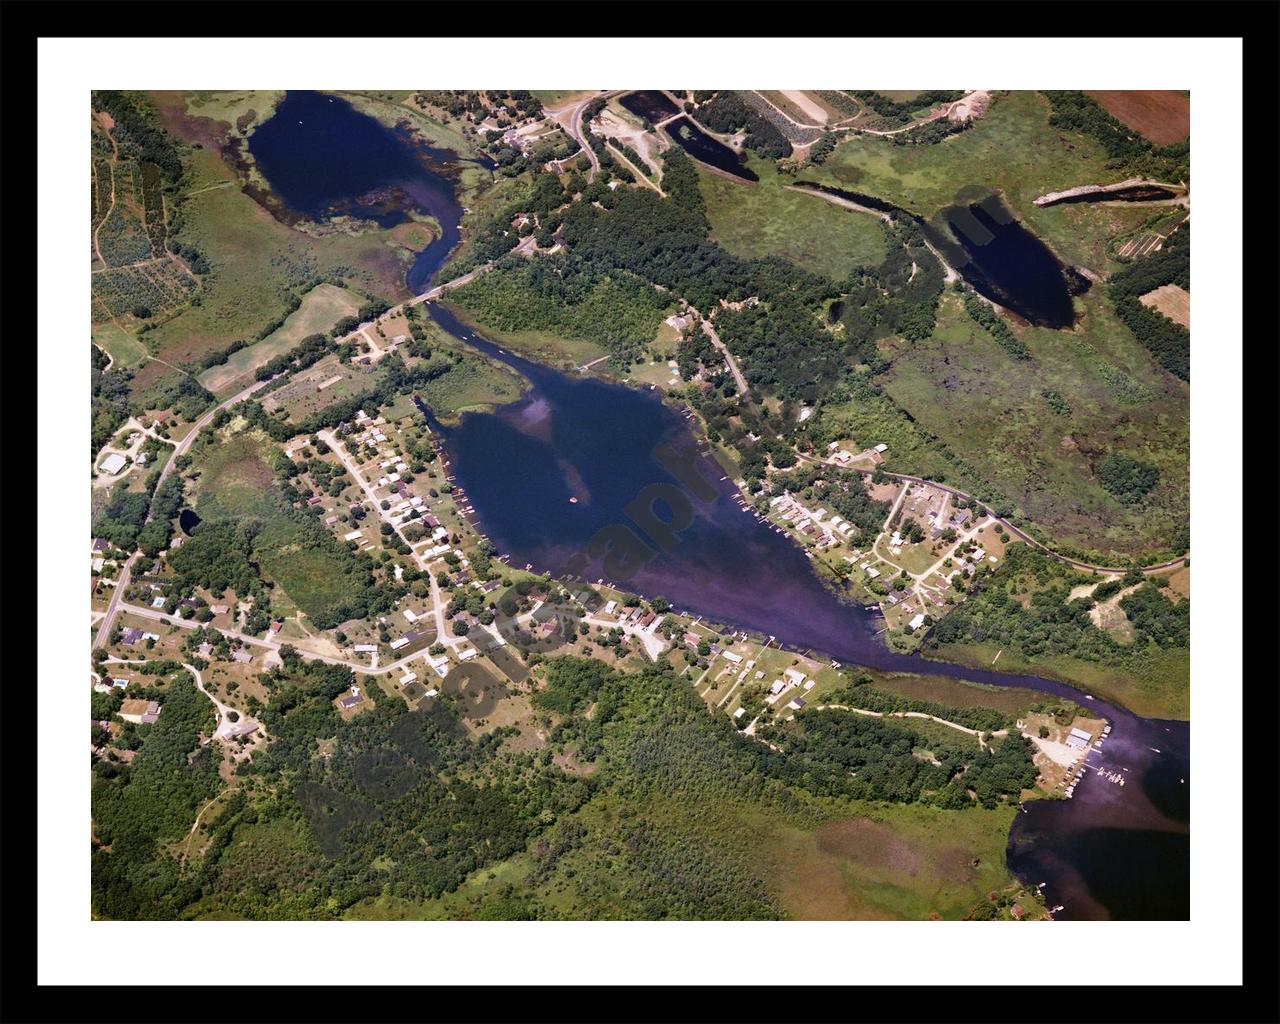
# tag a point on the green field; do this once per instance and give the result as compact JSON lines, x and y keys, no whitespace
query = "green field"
{"x":119,"y":344}
{"x":321,"y":308}
{"x":765,"y":219}
{"x":1157,"y":686}
{"x":471,"y":385}
{"x":990,"y":410}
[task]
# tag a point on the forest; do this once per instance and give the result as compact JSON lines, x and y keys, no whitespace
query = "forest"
{"x":727,"y":112}
{"x":1169,"y":342}
{"x":1024,"y":606}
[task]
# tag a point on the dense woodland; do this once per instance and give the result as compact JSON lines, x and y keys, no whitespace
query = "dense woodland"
{"x":1169,"y":342}
{"x":1024,"y":606}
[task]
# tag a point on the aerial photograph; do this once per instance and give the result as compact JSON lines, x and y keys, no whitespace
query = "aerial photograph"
{"x":639,"y":504}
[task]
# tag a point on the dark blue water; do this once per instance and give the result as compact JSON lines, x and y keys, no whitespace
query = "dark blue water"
{"x":994,"y":253}
{"x":701,"y":146}
{"x":324,"y":159}
{"x":650,"y":104}
{"x":188,"y":521}
{"x":1004,"y":261}
{"x":1112,"y":851}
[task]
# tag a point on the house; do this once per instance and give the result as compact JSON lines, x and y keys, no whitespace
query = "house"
{"x":243,"y":656}
{"x":366,"y":648}
{"x":205,"y":649}
{"x":397,"y":644}
{"x":100,"y":545}
{"x":794,"y":675}
{"x":810,"y":684}
{"x":408,"y":614}
{"x":881,"y":448}
{"x":648,"y":619}
{"x":917,"y":622}
{"x":735,"y":658}
{"x":347,"y":703}
{"x":873,"y":572}
{"x":778,"y":686}
{"x":408,"y":678}
{"x":142,"y":712}
{"x":131,"y":636}
{"x":740,"y":712}
{"x":1078,"y":739}
{"x":795,"y":704}
{"x":274,"y":629}
{"x":112,"y":464}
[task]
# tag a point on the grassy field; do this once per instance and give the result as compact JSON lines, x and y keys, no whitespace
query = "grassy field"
{"x":321,"y":308}
{"x":119,"y":344}
{"x":1012,"y":148}
{"x":765,"y":219}
{"x":1160,"y":688}
{"x":255,"y":264}
{"x":236,"y":482}
{"x":961,"y":386}
{"x":302,"y":396}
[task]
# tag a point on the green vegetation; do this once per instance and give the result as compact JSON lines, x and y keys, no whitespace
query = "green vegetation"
{"x":843,"y":492}
{"x":1169,"y":342}
{"x":1128,"y":479}
{"x":249,"y":525}
{"x":728,"y":113}
{"x":1128,"y":150}
{"x":566,"y":295}
{"x":991,"y":321}
{"x":899,"y":112}
{"x":1024,"y":608}
{"x":766,"y":219}
{"x":399,"y":813}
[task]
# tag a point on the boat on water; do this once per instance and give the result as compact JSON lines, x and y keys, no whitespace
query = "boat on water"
{"x":573,"y":500}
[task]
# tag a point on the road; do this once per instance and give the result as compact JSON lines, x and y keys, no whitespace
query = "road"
{"x":1020,"y":534}
{"x":741,"y":381}
{"x":442,"y":636}
{"x":122,"y":581}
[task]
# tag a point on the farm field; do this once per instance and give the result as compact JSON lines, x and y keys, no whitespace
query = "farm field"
{"x":1162,"y":115}
{"x":764,"y":219}
{"x":321,"y":308}
{"x":1171,"y":300}
{"x":990,"y":410}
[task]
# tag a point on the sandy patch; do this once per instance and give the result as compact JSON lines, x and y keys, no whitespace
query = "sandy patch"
{"x":816,"y":114}
{"x":1171,"y":300}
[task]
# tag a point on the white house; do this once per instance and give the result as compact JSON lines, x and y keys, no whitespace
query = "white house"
{"x":112,"y":464}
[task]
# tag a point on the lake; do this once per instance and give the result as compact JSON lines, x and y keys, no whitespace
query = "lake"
{"x":712,"y":152}
{"x":650,"y":104}
{"x":325,"y":159}
{"x":672,"y":528}
{"x":1004,"y":261}
{"x":993,"y":252}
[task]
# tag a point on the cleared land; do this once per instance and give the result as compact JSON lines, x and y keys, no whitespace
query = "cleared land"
{"x":760,"y":219}
{"x":321,"y":308}
{"x":1173,"y":301}
{"x":1162,"y":115}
